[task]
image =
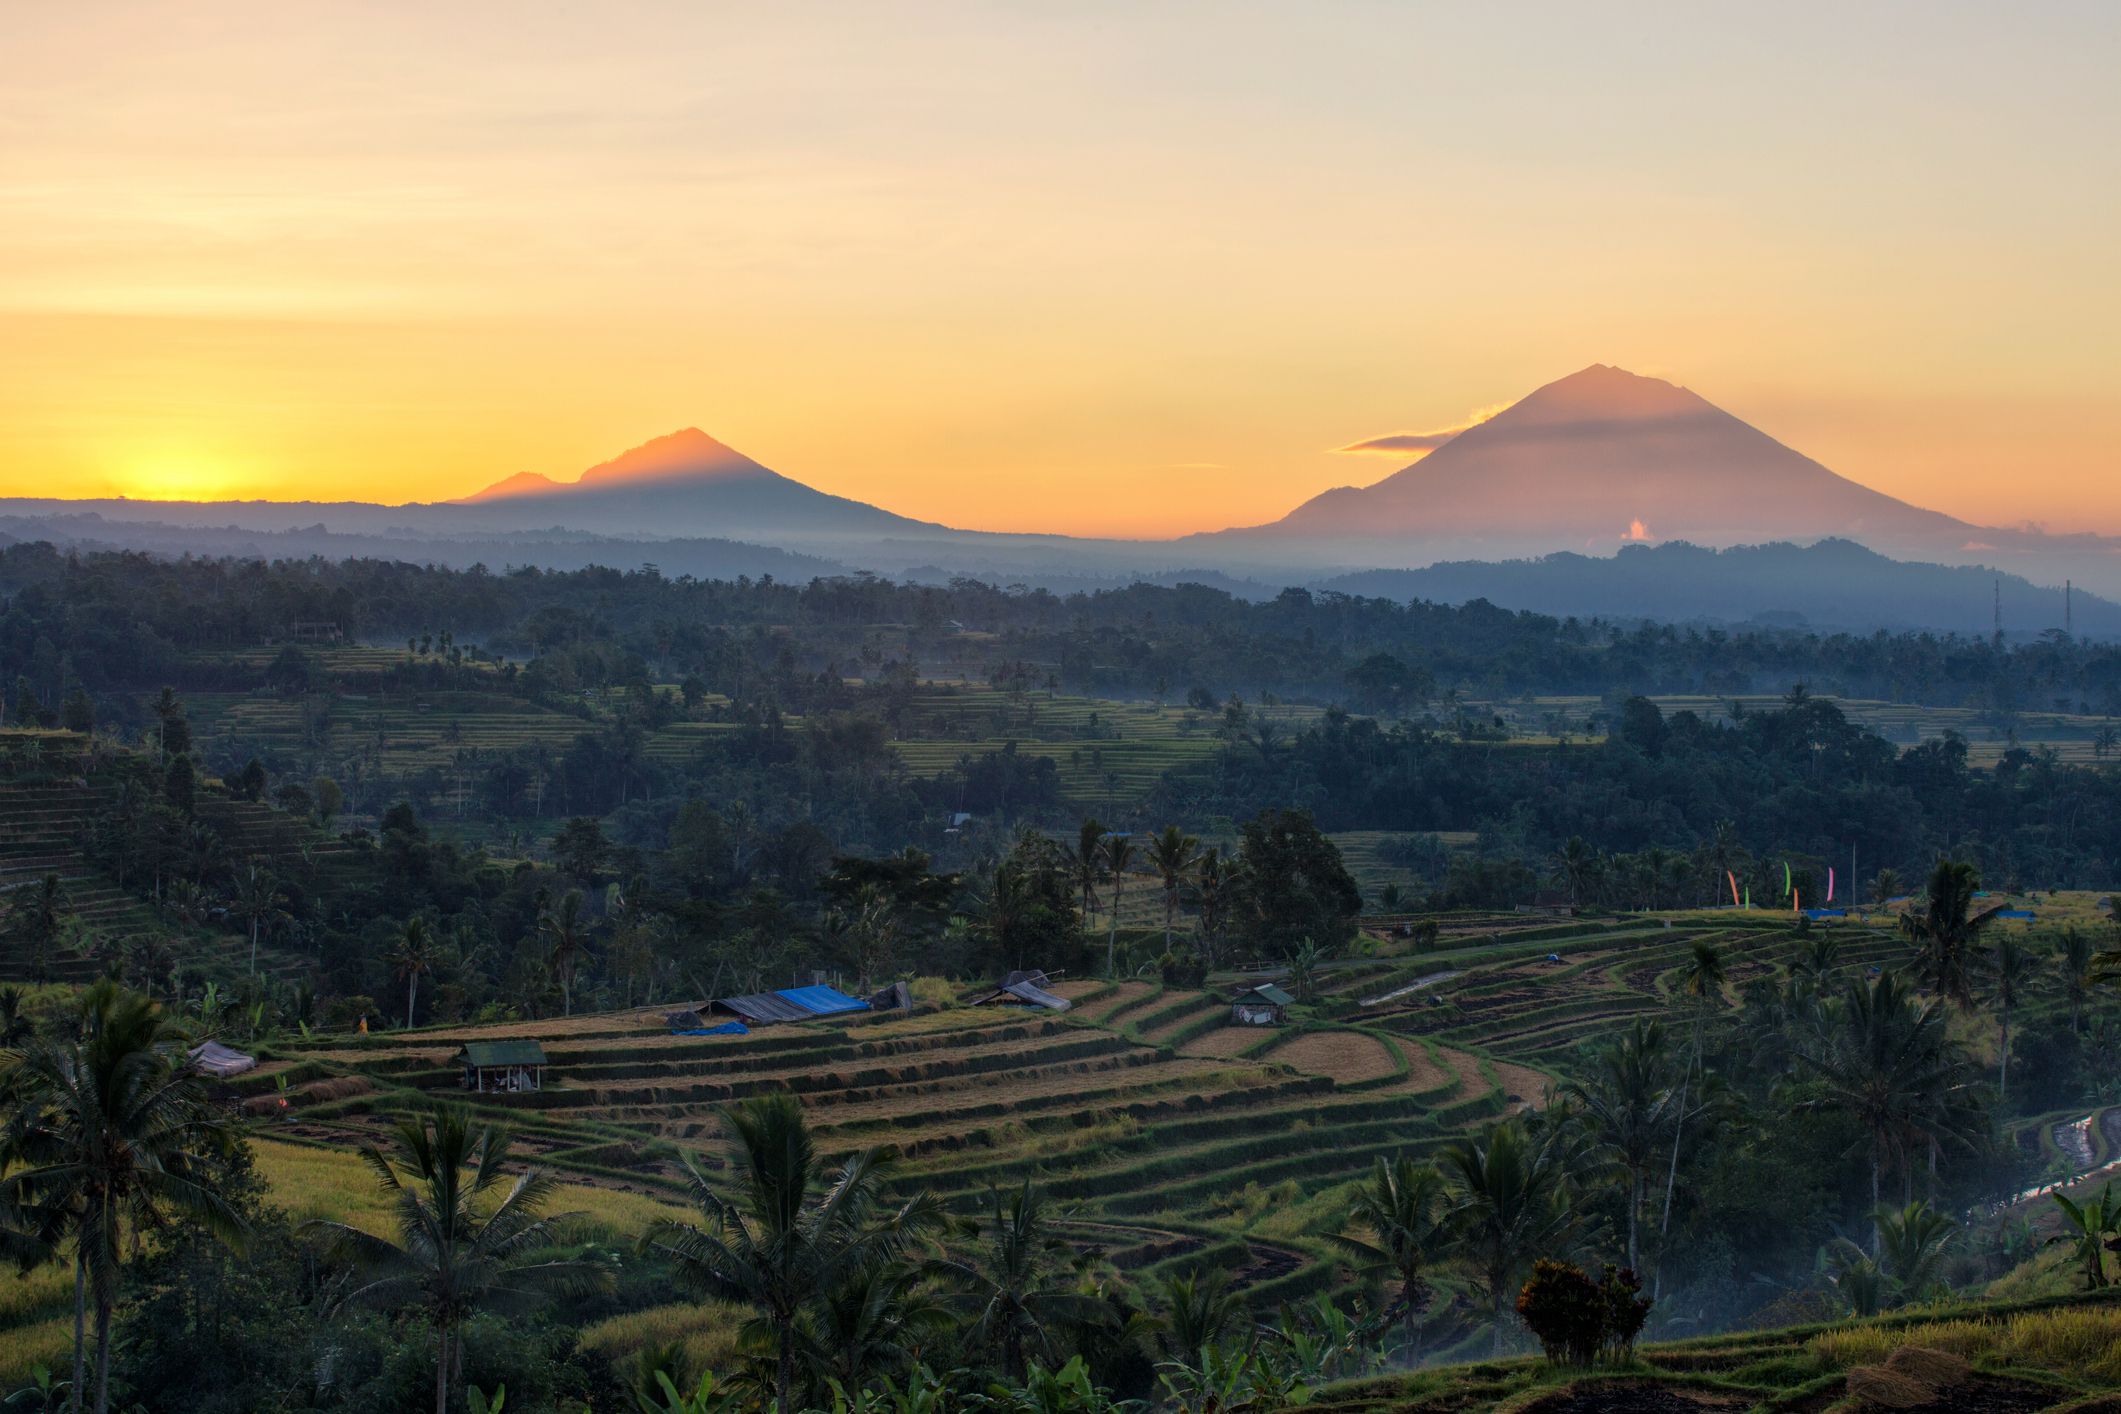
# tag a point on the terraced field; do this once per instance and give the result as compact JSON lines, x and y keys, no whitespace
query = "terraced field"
{"x":1164,"y":1128}
{"x":1104,"y":751}
{"x":42,"y":831}
{"x":1988,"y":736}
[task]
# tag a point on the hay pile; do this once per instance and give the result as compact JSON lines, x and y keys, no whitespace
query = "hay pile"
{"x":1911,"y":1377}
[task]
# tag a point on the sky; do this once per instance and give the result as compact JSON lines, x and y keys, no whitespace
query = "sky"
{"x":1130,"y":269}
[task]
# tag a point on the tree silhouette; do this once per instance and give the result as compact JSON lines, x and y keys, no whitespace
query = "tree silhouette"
{"x":111,"y":1134}
{"x":469,"y":1237}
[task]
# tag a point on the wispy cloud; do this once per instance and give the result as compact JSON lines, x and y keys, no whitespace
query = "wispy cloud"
{"x":1420,"y":443}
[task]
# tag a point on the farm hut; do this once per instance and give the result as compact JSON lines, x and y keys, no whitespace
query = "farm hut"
{"x":790,"y":1004}
{"x":503,"y":1067}
{"x":220,"y":1061}
{"x":683,"y":1021}
{"x":1264,"y":1005}
{"x":1024,"y":989}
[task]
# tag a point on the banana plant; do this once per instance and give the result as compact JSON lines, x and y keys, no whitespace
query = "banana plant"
{"x":2090,"y":1228}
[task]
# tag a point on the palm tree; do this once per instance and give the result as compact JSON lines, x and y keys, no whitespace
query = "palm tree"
{"x":1888,"y":1066}
{"x":1575,"y":867}
{"x":1198,"y":1310}
{"x":2074,"y":953}
{"x":2010,"y":970}
{"x":469,"y":1237}
{"x":1945,"y":929}
{"x":1009,"y":1292}
{"x":1911,"y":1243}
{"x":791,"y":1232}
{"x":1174,"y":855}
{"x":414,"y":957}
{"x":1885,"y":886}
{"x":1118,"y":854}
{"x":38,"y":915}
{"x":1394,"y":1226}
{"x":1087,"y":862}
{"x":1701,"y":982}
{"x":1219,"y":876}
{"x":257,"y":902}
{"x":16,"y":1028}
{"x":112,"y":1131}
{"x":1628,"y":1108}
{"x":873,"y":1322}
{"x":567,"y":937}
{"x":1508,"y":1206}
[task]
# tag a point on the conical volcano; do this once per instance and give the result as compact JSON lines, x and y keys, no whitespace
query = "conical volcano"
{"x":1605,"y":456}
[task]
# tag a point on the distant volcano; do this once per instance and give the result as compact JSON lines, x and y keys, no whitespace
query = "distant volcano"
{"x":682,"y":484}
{"x":1605,"y":457}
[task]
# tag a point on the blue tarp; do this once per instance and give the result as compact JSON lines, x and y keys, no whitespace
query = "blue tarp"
{"x":1826,"y":913}
{"x":822,"y":1001}
{"x":2022,"y":914}
{"x":727,"y":1028}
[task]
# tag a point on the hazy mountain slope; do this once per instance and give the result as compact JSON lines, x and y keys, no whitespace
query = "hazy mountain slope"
{"x":1835,"y":583}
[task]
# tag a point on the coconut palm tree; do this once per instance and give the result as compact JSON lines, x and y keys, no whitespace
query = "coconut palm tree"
{"x":1575,"y":867}
{"x":1087,"y":863}
{"x":111,"y":1133}
{"x":789,"y":1232}
{"x":1627,"y":1106}
{"x":1118,"y":854}
{"x":1014,"y":1293}
{"x":1395,"y":1227}
{"x":414,"y":957}
{"x":2073,"y":952}
{"x":2010,"y":972}
{"x":37,"y":916}
{"x":1944,"y":932}
{"x":469,"y":1236}
{"x":1219,"y":876}
{"x":1701,"y":981}
{"x":566,"y":939}
{"x":257,"y":902}
{"x":1174,"y":855}
{"x":1888,"y":1065}
{"x":1508,"y":1206}
{"x":1885,"y":886}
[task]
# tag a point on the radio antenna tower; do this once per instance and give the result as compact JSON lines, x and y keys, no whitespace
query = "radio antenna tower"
{"x":1999,"y":611}
{"x":2067,"y":605}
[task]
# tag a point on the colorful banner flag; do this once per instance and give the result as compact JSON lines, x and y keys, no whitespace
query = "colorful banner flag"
{"x":1829,"y":883}
{"x":1734,"y":886}
{"x":1785,"y":878}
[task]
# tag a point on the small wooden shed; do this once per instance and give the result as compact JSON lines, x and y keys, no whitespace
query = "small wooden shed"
{"x":1264,"y":1005}
{"x":503,"y":1067}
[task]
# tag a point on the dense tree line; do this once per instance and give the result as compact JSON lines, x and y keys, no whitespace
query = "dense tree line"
{"x":113,"y":621}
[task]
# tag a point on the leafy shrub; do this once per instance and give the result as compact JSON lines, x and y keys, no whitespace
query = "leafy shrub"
{"x":1579,"y":1321}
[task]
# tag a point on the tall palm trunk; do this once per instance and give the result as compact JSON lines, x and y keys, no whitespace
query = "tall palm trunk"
{"x":103,"y":1306}
{"x":784,"y":1380}
{"x":1112,"y":938}
{"x":254,"y":946}
{"x":442,"y":1370}
{"x":80,"y":1329}
{"x":2003,"y":1077}
{"x":412,"y":997}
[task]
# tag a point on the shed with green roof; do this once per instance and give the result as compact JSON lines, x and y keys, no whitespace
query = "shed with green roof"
{"x":503,"y":1067}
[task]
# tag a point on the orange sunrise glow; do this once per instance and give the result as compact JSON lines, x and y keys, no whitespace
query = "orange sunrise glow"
{"x":1000,"y":268}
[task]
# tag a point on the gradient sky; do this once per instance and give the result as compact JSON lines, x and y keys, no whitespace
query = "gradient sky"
{"x":1122,"y":268}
